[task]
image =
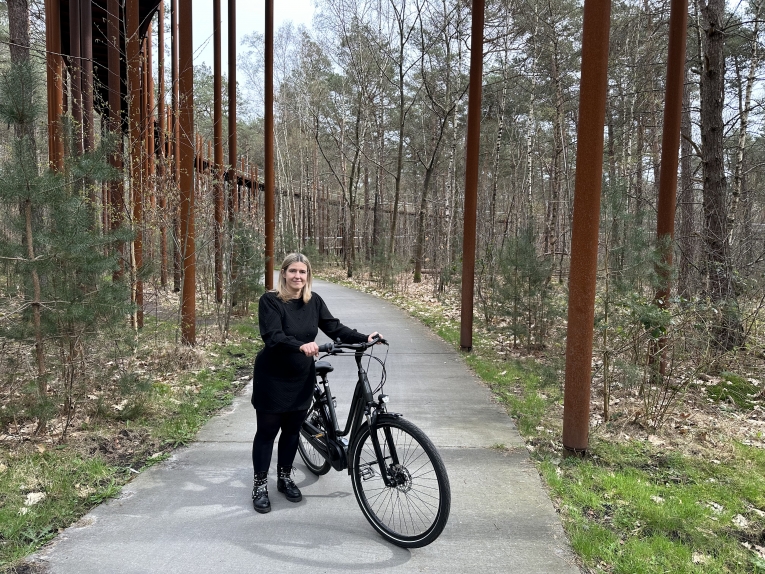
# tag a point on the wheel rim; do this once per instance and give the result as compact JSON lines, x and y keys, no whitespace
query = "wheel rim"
{"x":312,"y":456}
{"x":410,"y":507}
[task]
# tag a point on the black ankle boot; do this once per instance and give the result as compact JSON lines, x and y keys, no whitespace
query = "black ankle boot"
{"x":260,"y":500}
{"x":286,"y":485}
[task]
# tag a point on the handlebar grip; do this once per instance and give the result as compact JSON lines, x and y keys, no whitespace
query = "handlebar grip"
{"x":326,"y":348}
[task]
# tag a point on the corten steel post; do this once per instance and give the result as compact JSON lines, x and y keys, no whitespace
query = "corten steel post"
{"x":232,"y":145}
{"x":186,"y":124}
{"x":177,"y":263}
{"x":584,"y":234}
{"x":116,"y":190}
{"x":670,"y":141}
{"x":151,"y":181}
{"x":55,"y":70}
{"x":268,"y":143}
{"x":232,"y":151}
{"x":150,"y":124}
{"x":132,"y":46}
{"x":86,"y":50}
{"x":75,"y":72}
{"x":471,"y":174}
{"x":162,"y":116}
{"x":218,"y":183}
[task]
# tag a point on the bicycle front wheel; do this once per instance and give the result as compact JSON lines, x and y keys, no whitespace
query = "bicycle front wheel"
{"x":413,"y":509}
{"x":313,"y":459}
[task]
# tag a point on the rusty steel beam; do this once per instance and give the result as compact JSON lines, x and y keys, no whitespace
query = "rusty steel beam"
{"x":670,"y":142}
{"x":162,"y":172}
{"x":150,"y":123}
{"x":471,"y":175}
{"x":232,"y":144}
{"x":186,"y":121}
{"x":132,"y":46}
{"x":75,"y":72}
{"x":584,"y":234}
{"x":151,"y":181}
{"x":268,"y":143}
{"x":116,"y":204}
{"x":54,"y":71}
{"x":232,"y":151}
{"x":218,"y":182}
{"x":86,"y":49}
{"x":176,"y":137}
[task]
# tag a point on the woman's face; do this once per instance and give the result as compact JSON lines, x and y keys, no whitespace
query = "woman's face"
{"x":296,"y":276}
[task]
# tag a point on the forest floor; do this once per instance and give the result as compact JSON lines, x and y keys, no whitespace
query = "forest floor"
{"x":132,"y":408}
{"x":133,"y":402}
{"x":687,"y":495}
{"x":696,"y":424}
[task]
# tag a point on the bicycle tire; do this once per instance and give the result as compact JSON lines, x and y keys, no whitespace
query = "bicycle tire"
{"x":414,"y":512}
{"x":313,"y":459}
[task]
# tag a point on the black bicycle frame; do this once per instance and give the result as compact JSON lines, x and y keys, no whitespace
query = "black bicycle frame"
{"x":363,"y":403}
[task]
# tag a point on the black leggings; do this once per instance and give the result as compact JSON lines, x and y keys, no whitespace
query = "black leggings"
{"x":263,"y":444}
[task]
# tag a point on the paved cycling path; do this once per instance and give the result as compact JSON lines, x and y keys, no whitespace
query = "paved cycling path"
{"x":192,"y":513}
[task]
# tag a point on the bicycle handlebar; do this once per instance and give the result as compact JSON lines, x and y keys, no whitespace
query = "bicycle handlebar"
{"x":338,"y":347}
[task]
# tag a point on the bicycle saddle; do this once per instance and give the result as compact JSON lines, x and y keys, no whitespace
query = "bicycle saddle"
{"x":323,"y":367}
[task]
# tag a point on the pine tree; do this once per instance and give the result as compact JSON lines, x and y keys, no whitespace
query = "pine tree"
{"x":61,"y":264}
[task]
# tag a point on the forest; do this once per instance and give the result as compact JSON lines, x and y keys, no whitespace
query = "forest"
{"x":370,"y":108}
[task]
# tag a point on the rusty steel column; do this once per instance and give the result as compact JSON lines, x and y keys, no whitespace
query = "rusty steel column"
{"x":75,"y":73}
{"x":86,"y":50}
{"x":218,"y":180}
{"x":132,"y":47}
{"x":116,"y":205}
{"x":471,"y":175}
{"x":162,"y":165}
{"x":176,"y":138}
{"x":584,"y":234}
{"x":54,"y":71}
{"x":670,"y":142}
{"x":232,"y":146}
{"x":150,"y":123}
{"x":268,"y":144}
{"x":186,"y":117}
{"x":151,"y":180}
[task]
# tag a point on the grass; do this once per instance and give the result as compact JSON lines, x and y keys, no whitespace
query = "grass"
{"x":71,"y":483}
{"x":629,"y":507}
{"x":636,"y":509}
{"x":44,"y":489}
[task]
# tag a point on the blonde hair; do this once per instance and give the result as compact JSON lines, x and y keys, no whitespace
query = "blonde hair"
{"x":281,"y":290}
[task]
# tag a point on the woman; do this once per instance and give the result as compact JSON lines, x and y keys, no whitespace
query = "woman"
{"x":284,"y":374}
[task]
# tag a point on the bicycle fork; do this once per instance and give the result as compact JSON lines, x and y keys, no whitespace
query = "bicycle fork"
{"x":385,"y":472}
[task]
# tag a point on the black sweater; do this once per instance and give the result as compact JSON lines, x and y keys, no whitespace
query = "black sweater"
{"x":283,"y":377}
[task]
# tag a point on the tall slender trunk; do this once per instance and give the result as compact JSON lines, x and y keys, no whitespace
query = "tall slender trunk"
{"x":686,"y":234}
{"x":728,"y":332}
{"x":745,"y":105}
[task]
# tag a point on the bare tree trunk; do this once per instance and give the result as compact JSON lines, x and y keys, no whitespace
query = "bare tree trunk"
{"x":36,"y":305}
{"x":745,"y":105}
{"x":685,"y":237}
{"x":728,"y":333}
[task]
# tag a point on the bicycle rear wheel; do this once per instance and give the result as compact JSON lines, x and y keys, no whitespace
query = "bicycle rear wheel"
{"x":312,"y":457}
{"x":413,"y":511}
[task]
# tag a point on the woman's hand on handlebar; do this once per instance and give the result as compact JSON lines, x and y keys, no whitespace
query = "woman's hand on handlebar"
{"x":310,"y":349}
{"x":376,"y":335}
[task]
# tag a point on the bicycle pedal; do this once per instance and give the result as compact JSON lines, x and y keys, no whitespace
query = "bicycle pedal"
{"x":367,"y":472}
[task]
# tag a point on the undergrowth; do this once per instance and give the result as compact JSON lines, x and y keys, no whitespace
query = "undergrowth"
{"x":46,"y":487}
{"x":634,"y":504}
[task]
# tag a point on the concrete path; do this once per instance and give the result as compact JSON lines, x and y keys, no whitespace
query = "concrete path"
{"x":193,"y":514}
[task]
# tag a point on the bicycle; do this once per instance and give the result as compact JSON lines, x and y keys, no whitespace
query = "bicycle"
{"x":398,"y":477}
